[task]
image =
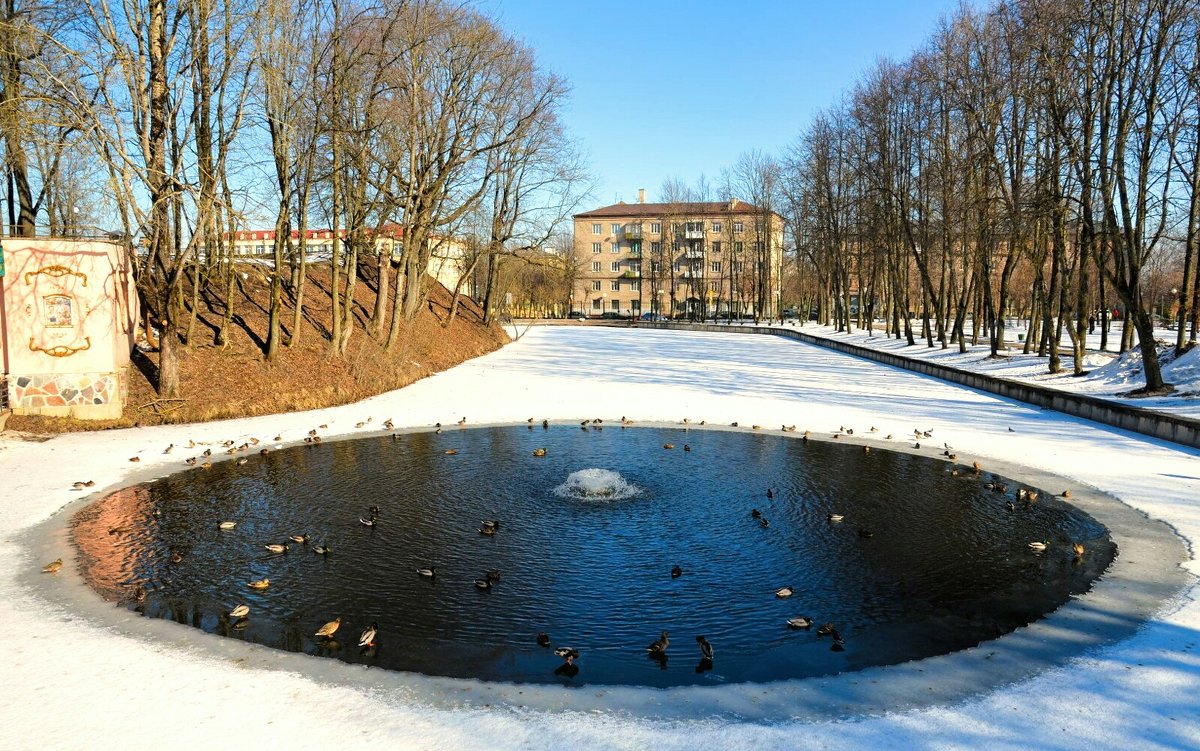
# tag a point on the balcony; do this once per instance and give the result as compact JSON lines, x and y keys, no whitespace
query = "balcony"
{"x":694,"y":254}
{"x":635,"y":251}
{"x":692,"y":234}
{"x":633,"y":232}
{"x":631,"y":274}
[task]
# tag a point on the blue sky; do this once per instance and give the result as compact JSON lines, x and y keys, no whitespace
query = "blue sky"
{"x":666,"y":88}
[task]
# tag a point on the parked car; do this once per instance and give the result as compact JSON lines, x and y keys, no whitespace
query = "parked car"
{"x":653,"y":317}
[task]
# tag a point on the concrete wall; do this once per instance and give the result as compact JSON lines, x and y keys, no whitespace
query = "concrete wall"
{"x":1160,"y":425}
{"x":68,"y":318}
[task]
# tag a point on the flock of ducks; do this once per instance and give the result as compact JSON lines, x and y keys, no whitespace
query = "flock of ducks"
{"x":657,"y":649}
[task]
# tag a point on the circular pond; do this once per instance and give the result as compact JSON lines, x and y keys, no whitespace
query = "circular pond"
{"x":927,"y":558}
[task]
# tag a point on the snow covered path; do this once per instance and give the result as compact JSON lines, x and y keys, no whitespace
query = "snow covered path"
{"x":71,"y":683}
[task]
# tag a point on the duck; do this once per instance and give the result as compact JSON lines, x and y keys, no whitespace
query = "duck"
{"x":277,"y":548}
{"x":367,"y":522}
{"x":770,"y":493}
{"x":1066,"y":494}
{"x":494,"y":524}
{"x":545,"y":424}
{"x":321,"y":549}
{"x":676,"y":572}
{"x":242,"y":461}
{"x":451,"y":452}
{"x":625,"y":420}
{"x":687,"y":447}
{"x":762,"y":522}
{"x":259,"y":584}
{"x":543,"y":639}
{"x":135,"y":459}
{"x":784,"y":592}
{"x":463,"y":421}
{"x":564,"y":652}
{"x":484,"y":584}
{"x":1078,"y":549}
{"x":706,"y":648}
{"x":329,"y":629}
{"x":368,"y":635}
{"x":668,"y":446}
{"x":52,"y":567}
{"x":304,"y":538}
{"x":176,"y":557}
{"x":241,"y":611}
{"x":659,"y":645}
{"x":539,"y":452}
{"x":799,"y":622}
{"x":865,"y":533}
{"x":80,"y":485}
{"x":427,"y":572}
{"x":227,"y":525}
{"x":373,"y":510}
{"x":487,"y":531}
{"x":835,"y":517}
{"x":826,"y":629}
{"x":1038,"y":547}
{"x":755,"y":513}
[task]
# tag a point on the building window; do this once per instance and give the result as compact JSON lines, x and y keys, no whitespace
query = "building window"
{"x":738,"y":247}
{"x":758,"y":225}
{"x":714,"y":286}
{"x":737,"y":266}
{"x":758,"y":246}
{"x":596,"y":285}
{"x":615,"y":285}
{"x":616,"y":229}
{"x":614,"y":266}
{"x":597,"y":229}
{"x":656,"y":227}
{"x":596,"y":303}
{"x":716,"y":247}
{"x":634,"y":285}
{"x":616,"y":306}
{"x":678,"y":268}
{"x":716,"y":267}
{"x":716,"y":226}
{"x":595,"y":267}
{"x":737,"y":227}
{"x":655,"y":267}
{"x":616,"y":247}
{"x":656,"y":247}
{"x":635,"y":306}
{"x":595,"y":247}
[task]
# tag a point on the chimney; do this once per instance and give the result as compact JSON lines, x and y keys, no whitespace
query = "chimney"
{"x":733,"y":204}
{"x":641,"y":195}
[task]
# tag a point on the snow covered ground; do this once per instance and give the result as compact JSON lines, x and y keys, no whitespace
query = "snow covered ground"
{"x":73,"y":680}
{"x":1108,"y":375}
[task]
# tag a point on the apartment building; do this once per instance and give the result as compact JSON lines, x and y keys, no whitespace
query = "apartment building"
{"x":699,"y":259}
{"x":445,"y":263}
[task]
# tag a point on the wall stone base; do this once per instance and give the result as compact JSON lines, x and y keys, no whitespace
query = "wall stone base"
{"x":85,"y":396}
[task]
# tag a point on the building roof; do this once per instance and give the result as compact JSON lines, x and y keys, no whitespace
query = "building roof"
{"x":696,"y":208}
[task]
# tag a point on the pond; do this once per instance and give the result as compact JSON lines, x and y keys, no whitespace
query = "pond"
{"x":928,"y":556}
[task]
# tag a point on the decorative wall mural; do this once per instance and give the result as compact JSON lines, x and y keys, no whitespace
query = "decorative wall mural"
{"x":61,"y":350}
{"x":59,"y":311}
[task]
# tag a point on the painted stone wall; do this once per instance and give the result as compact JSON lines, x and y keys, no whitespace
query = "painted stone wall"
{"x":68,"y":317}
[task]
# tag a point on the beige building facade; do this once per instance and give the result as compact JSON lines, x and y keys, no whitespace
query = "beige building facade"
{"x":680,"y":260}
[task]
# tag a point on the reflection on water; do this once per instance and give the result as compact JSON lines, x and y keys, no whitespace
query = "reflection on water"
{"x":947,"y":566}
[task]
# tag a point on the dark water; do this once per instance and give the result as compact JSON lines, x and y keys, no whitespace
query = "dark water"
{"x":948,"y":564}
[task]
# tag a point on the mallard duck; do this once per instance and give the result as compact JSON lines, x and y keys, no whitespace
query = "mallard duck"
{"x":784,"y":592}
{"x":80,"y":485}
{"x":373,"y":510}
{"x":755,"y":513}
{"x":329,"y":629}
{"x":756,"y":427}
{"x":484,"y":584}
{"x":659,"y":645}
{"x":1078,"y":549}
{"x":321,"y":549}
{"x":240,"y":611}
{"x":487,"y":531}
{"x":539,"y":452}
{"x":543,"y":639}
{"x":1022,"y":493}
{"x":242,"y":461}
{"x":135,"y":459}
{"x":462,"y":422}
{"x":826,"y":629}
{"x":367,"y":639}
{"x":687,"y":447}
{"x":874,"y":429}
{"x":770,"y":493}
{"x":206,"y":465}
{"x":835,"y":517}
{"x":490,"y":523}
{"x":176,"y":557}
{"x":733,"y":424}
{"x":625,"y":420}
{"x":360,"y":424}
{"x":1066,"y":494}
{"x":762,"y":522}
{"x":975,"y":465}
{"x":276,"y":548}
{"x":492,"y":575}
{"x":566,"y":652}
{"x":207,"y":452}
{"x":668,"y":446}
{"x":312,"y":432}
{"x":52,"y":567}
{"x":451,"y":452}
{"x":676,"y":572}
{"x":226,"y":525}
{"x":1031,"y":496}
{"x":706,"y":648}
{"x":431,"y":571}
{"x":304,"y":538}
{"x":545,"y":424}
{"x":799,"y":622}
{"x":1038,"y":547}
{"x":367,"y":522}
{"x":259,"y":584}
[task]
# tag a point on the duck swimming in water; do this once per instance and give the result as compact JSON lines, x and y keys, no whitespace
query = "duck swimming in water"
{"x":784,"y":592}
{"x":427,"y":572}
{"x":676,"y":572}
{"x":659,"y":645}
{"x":321,"y":549}
{"x":799,"y":622}
{"x":259,"y":584}
{"x":241,"y":611}
{"x":543,"y":639}
{"x":706,"y":648}
{"x":567,"y":652}
{"x":277,"y":548}
{"x":299,"y":538}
